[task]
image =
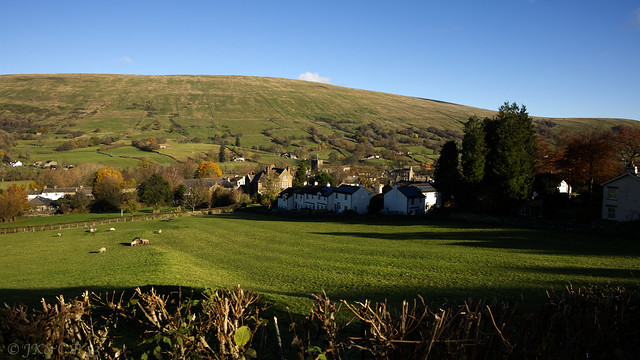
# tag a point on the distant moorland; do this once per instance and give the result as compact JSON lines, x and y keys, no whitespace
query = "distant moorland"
{"x":256,"y":117}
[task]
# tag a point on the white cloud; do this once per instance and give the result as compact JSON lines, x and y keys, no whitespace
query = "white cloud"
{"x":309,"y":76}
{"x":123,"y":60}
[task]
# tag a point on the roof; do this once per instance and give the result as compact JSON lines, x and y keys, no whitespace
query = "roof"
{"x":346,"y":189}
{"x":411,"y":192}
{"x":40,"y":201}
{"x":425,"y":188}
{"x":633,"y":176}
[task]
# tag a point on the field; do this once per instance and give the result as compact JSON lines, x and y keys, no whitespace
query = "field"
{"x":286,"y":260}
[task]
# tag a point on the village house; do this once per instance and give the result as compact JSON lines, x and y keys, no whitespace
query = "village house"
{"x":349,"y":198}
{"x":324,"y":197}
{"x":56,"y":193}
{"x":431,"y":195}
{"x":404,"y":200}
{"x":42,"y":205}
{"x":256,"y":185}
{"x":621,"y":197}
{"x":398,"y":175}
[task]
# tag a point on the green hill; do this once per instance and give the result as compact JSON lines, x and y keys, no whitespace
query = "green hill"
{"x":266,"y":116}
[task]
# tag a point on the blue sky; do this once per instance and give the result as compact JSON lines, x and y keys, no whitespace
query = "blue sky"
{"x":559,"y":58}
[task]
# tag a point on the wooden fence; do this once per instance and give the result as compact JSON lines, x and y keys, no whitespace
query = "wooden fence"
{"x":112,"y":220}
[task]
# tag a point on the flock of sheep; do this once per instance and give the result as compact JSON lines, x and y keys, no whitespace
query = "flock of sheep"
{"x":135,"y":242}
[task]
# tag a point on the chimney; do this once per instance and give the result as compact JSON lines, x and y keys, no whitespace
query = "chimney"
{"x":632,"y":168}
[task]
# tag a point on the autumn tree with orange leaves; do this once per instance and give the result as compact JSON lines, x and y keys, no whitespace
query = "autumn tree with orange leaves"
{"x":587,"y":158}
{"x":13,"y":202}
{"x":107,"y":190}
{"x":207,"y":169}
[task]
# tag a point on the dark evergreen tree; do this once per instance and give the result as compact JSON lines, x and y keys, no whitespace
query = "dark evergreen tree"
{"x":300,"y":177}
{"x":222,"y":155}
{"x":474,"y":152}
{"x":511,"y":141}
{"x":473,"y":159}
{"x":155,"y":191}
{"x":446,"y":174}
{"x":324,"y":178}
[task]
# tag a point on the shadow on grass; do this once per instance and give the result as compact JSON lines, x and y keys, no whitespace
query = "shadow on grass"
{"x":587,"y":272}
{"x":536,"y":241}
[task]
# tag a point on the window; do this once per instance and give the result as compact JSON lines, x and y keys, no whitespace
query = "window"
{"x":611,"y":212}
{"x":345,"y":196}
{"x":612,"y":193}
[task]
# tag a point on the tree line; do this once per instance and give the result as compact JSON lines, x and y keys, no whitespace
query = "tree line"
{"x":501,"y":161}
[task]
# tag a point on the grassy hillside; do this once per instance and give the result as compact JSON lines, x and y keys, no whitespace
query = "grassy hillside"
{"x":286,"y":260}
{"x":269,"y":115}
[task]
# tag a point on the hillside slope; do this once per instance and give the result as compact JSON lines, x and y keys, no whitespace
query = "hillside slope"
{"x":266,"y":114}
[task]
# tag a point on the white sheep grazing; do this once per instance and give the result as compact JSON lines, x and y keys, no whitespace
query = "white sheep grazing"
{"x":92,"y":230}
{"x":159,"y":231}
{"x":58,"y":234}
{"x":101,"y":250}
{"x":112,"y":229}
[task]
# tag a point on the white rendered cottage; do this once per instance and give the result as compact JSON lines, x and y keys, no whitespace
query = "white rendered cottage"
{"x":621,"y":197}
{"x":349,"y":198}
{"x":405,"y":200}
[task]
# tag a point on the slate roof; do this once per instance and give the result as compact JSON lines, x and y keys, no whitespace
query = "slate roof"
{"x":40,"y":201}
{"x":411,"y":192}
{"x":425,"y":188}
{"x":346,"y":189}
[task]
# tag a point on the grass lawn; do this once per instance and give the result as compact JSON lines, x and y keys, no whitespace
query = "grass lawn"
{"x":286,"y":260}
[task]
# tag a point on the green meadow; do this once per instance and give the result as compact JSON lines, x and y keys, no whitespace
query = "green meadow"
{"x":286,"y":260}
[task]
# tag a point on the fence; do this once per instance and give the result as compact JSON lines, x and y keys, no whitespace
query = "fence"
{"x":112,"y":220}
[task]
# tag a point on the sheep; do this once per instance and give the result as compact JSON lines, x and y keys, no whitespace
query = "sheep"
{"x":101,"y":250}
{"x":159,"y":231}
{"x":112,"y":229}
{"x":138,"y":241}
{"x":58,"y":234}
{"x":92,"y":229}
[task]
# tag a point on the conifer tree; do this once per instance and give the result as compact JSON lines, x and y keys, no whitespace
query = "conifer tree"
{"x":300,"y":176}
{"x":446,"y":174}
{"x":511,"y":157}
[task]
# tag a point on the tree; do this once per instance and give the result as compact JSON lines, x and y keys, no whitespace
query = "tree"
{"x":179,"y":193}
{"x":474,"y":152}
{"x":208,"y":169}
{"x":131,"y":206}
{"x":587,"y":159}
{"x":197,"y":195}
{"x":238,"y":141}
{"x":324,"y":178}
{"x":511,"y":154}
{"x":13,"y":202}
{"x":155,"y":191}
{"x":222,"y":154}
{"x":446,"y":174}
{"x":627,"y":143}
{"x":107,"y":190}
{"x":473,"y":161}
{"x":300,"y":176}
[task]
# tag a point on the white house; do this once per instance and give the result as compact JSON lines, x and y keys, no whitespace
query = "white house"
{"x":564,"y":188}
{"x":312,"y":197}
{"x":621,"y":197}
{"x":431,"y":196}
{"x":405,"y":200}
{"x":56,"y":193}
{"x":349,"y":198}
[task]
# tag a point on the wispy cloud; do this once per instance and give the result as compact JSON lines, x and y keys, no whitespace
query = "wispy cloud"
{"x":309,"y":76}
{"x":123,"y":60}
